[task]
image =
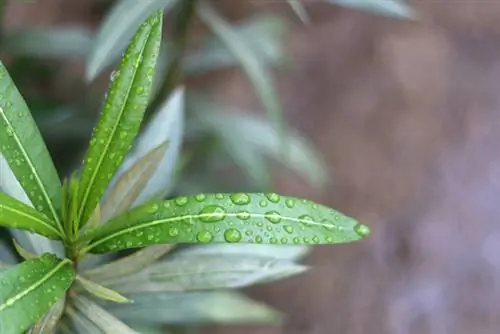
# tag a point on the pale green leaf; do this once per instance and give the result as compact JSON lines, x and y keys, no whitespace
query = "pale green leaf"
{"x":122,"y":114}
{"x":48,"y":42}
{"x":79,"y":323}
{"x":391,"y":8}
{"x":24,"y":149}
{"x":129,"y":264}
{"x":34,"y":285}
{"x":222,"y":218}
{"x":106,"y":322}
{"x":299,"y":10}
{"x":253,"y":67}
{"x":101,"y":291}
{"x":23,"y":252}
{"x":48,"y":324}
{"x":16,"y":214}
{"x":117,"y":29}
{"x":194,"y":308}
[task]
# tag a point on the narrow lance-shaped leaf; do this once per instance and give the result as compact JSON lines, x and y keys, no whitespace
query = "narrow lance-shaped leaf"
{"x":23,"y":252}
{"x":255,"y":70}
{"x":29,"y":290}
{"x":24,"y":149}
{"x":391,"y":8}
{"x":122,"y":115}
{"x":18,"y":215}
{"x":236,"y":218}
{"x":299,"y":10}
{"x":101,"y":291}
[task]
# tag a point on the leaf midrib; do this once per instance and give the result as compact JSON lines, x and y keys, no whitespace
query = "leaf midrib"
{"x":179,"y":218}
{"x":108,"y":144}
{"x":10,"y":302}
{"x":33,"y":170}
{"x":34,"y":218}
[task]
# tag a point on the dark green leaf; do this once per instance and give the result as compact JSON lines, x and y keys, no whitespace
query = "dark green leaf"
{"x":48,"y":323}
{"x":123,"y":111}
{"x":23,"y":147}
{"x":117,"y":29}
{"x":240,"y":217}
{"x":34,"y":285}
{"x":18,"y":215}
{"x":391,"y":8}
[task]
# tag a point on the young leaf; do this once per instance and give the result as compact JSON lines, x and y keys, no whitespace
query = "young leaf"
{"x":206,"y":272}
{"x":299,"y":10}
{"x":118,"y":27}
{"x":216,"y":218}
{"x":100,"y":291}
{"x":23,"y":252}
{"x":100,"y":317}
{"x":129,"y":264}
{"x":254,"y":69}
{"x":34,"y":285}
{"x":391,"y":8}
{"x":49,"y":322}
{"x":123,"y":111}
{"x":18,"y":215}
{"x":22,"y":145}
{"x":194,"y":308}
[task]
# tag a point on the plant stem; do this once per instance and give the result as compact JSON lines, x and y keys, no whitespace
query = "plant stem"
{"x":182,"y":17}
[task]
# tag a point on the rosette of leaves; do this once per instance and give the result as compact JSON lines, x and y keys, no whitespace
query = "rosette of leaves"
{"x":69,"y":233}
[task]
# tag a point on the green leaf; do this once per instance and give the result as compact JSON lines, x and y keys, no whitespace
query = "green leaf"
{"x":187,"y":272}
{"x":117,"y":29}
{"x":391,"y":8}
{"x":253,"y":67}
{"x":123,"y":111}
{"x":34,"y":285}
{"x":23,"y":147}
{"x":100,"y":317}
{"x":101,"y":291}
{"x":129,"y":264}
{"x":18,"y":215}
{"x":216,"y":218}
{"x":48,"y":42}
{"x":194,"y":308}
{"x":23,"y":252}
{"x":48,"y":323}
{"x":299,"y":10}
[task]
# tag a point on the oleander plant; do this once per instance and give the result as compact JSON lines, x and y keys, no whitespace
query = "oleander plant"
{"x":110,"y":249}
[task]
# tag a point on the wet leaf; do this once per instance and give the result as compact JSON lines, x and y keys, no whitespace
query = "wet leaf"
{"x":121,"y":117}
{"x":24,"y":149}
{"x":118,"y":27}
{"x":223,"y":218}
{"x":16,"y":214}
{"x":101,"y":291}
{"x":48,"y":323}
{"x":391,"y":8}
{"x":34,"y":285}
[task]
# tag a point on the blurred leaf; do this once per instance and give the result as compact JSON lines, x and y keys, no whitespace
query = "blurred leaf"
{"x":121,"y":117}
{"x":391,"y":8}
{"x":252,"y":65}
{"x":187,"y":272}
{"x":100,"y":317}
{"x":101,"y":291}
{"x":264,"y":34}
{"x":34,"y":285}
{"x":128,"y":265}
{"x":245,"y":135}
{"x":79,"y":323}
{"x":24,"y":149}
{"x":48,"y":42}
{"x":117,"y":29}
{"x":16,"y":214}
{"x":299,"y":10}
{"x":194,"y":308}
{"x":7,"y":257}
{"x":23,"y":252}
{"x":221,"y":218}
{"x":48,"y":323}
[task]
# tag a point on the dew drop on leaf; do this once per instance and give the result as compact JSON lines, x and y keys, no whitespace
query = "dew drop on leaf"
{"x":273,"y":240}
{"x":273,"y":216}
{"x":154,"y":208}
{"x":240,"y":199}
{"x":181,"y":201}
{"x":219,"y":196}
{"x":362,"y":230}
{"x":290,"y":203}
{"x":296,"y":240}
{"x":200,"y":197}
{"x":232,"y":235}
{"x":212,"y":214}
{"x":258,"y":239}
{"x":173,"y":232}
{"x":243,"y":215}
{"x":329,"y":239}
{"x":288,"y":229}
{"x":204,"y":236}
{"x":284,"y":240}
{"x":273,"y":197}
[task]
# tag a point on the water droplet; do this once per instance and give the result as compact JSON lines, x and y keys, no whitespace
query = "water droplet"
{"x":314,"y":206}
{"x":329,"y":239}
{"x":181,"y":201}
{"x":362,"y":230}
{"x":258,"y":239}
{"x":166,"y":204}
{"x":212,"y":214}
{"x":123,"y":135}
{"x":204,"y":236}
{"x":92,"y":142}
{"x":10,"y":132}
{"x":232,"y":235}
{"x":140,"y":90}
{"x":288,"y":229}
{"x":315,"y":239}
{"x":284,"y":240}
{"x":273,"y":240}
{"x":263,"y":203}
{"x":150,"y":237}
{"x":269,"y":228}
{"x":200,"y":197}
{"x":173,"y":232}
{"x":243,"y":215}
{"x":273,"y":197}
{"x":290,"y":203}
{"x":273,"y":216}
{"x":248,"y":233}
{"x":240,"y":198}
{"x":219,"y":196}
{"x":260,"y":224}
{"x":154,"y":208}
{"x":306,"y":220}
{"x":39,"y":207}
{"x":114,"y":75}
{"x":296,"y":240}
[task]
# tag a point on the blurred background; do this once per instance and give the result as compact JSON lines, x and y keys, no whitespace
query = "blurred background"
{"x":405,"y":114}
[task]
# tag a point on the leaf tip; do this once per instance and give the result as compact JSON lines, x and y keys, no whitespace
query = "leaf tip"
{"x":362,"y":230}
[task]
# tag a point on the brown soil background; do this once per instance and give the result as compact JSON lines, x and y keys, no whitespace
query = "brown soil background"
{"x":407,"y":116}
